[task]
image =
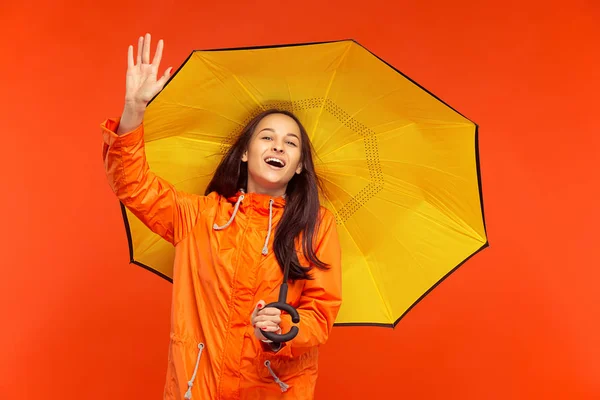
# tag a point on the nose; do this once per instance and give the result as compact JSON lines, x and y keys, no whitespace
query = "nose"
{"x":277,"y":148}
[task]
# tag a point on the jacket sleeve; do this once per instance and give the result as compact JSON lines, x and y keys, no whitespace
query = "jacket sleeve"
{"x":321,"y":298}
{"x":164,"y":210}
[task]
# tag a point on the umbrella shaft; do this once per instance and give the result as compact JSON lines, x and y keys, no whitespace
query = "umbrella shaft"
{"x":283,"y":289}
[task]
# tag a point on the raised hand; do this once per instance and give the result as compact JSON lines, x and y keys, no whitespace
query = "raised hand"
{"x":142,"y":82}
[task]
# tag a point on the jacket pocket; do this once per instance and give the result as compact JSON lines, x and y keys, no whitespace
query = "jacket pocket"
{"x":184,"y":366}
{"x":285,"y":368}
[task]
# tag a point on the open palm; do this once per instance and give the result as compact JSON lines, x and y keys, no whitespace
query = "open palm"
{"x":141,"y":82}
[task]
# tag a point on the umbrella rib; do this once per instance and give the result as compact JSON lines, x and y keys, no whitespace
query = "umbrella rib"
{"x":373,"y":100}
{"x":156,"y":239}
{"x":341,"y":188}
{"x":324,"y":177}
{"x":435,"y":221}
{"x":458,"y":220}
{"x":322,"y":108}
{"x":370,"y":274}
{"x":328,"y":91}
{"x":411,"y":255}
{"x":345,"y":191}
{"x":212,"y":69}
{"x":197,"y":140}
{"x":329,"y":172}
{"x":407,"y":252}
{"x":404,"y":163}
{"x":450,"y":215}
{"x":358,"y":111}
{"x":385,"y":95}
{"x":395,"y":237}
{"x":202,"y":109}
{"x":364,"y":206}
{"x":357,"y":140}
{"x":336,"y":185}
{"x":289,"y":89}
{"x":254,"y":99}
{"x":379,"y":134}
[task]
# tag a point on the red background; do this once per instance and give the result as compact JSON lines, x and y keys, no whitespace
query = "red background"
{"x":518,"y":321}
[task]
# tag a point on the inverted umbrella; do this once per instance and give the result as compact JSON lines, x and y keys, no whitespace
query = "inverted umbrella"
{"x":400,"y":167}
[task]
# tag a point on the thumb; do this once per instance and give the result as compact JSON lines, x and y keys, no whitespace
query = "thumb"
{"x":163,"y":79}
{"x":259,"y":306}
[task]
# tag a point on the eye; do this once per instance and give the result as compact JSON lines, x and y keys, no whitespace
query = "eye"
{"x":266,"y":137}
{"x":292,"y":144}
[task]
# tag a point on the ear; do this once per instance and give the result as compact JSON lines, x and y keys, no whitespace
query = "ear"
{"x":299,"y":169}
{"x":245,"y":156}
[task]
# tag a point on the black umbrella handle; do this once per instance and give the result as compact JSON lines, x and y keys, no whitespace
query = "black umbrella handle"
{"x":283,"y":306}
{"x":285,"y":337}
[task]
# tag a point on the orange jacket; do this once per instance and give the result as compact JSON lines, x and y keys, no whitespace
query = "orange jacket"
{"x":219,"y":275}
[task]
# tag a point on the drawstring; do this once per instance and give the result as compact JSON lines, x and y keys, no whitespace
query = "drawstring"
{"x":265,"y":250}
{"x":235,"y":210}
{"x":188,"y":394}
{"x":284,"y":387}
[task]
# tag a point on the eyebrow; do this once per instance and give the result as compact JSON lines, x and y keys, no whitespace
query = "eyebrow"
{"x":273,"y":130}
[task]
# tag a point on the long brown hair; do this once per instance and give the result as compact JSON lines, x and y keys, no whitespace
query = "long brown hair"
{"x":301,"y":213}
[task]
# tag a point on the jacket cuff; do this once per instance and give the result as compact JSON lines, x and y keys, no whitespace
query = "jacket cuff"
{"x":272,"y":347}
{"x":109,"y":128}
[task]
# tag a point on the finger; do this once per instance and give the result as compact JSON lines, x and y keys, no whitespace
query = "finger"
{"x":163,"y":79}
{"x":130,"y":57}
{"x":273,"y":318}
{"x":158,"y":54}
{"x":269,"y":311}
{"x":270,"y":329}
{"x":268,"y":318}
{"x":139,"y":52}
{"x":261,"y":324}
{"x":266,"y":324}
{"x":146,"y":52}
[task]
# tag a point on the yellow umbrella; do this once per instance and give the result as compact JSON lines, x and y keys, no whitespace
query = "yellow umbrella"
{"x":399,"y":166}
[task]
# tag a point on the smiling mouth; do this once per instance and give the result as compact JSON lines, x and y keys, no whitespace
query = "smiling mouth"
{"x":275,"y":162}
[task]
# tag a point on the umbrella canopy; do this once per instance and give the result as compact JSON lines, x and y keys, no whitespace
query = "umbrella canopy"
{"x":399,"y":166}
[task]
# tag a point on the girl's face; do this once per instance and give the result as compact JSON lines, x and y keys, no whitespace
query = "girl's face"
{"x":273,"y":155}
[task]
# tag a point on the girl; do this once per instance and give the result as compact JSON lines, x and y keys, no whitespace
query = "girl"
{"x":260,"y":211}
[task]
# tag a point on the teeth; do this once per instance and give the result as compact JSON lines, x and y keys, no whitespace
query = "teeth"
{"x":275,"y":160}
